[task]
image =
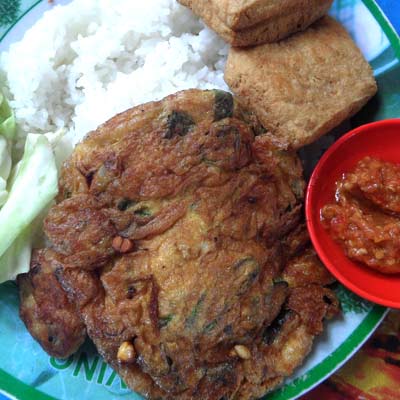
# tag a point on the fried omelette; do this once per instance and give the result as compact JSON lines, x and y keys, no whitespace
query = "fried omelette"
{"x":176,"y":244}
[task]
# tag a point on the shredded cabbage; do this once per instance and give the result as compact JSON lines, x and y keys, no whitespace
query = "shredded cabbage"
{"x":3,"y":191}
{"x":7,"y":119}
{"x":26,"y":190}
{"x":7,"y":133}
{"x":16,"y":259}
{"x":33,"y":187}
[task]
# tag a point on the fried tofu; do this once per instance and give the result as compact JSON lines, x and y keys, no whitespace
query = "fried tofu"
{"x":252,"y":22}
{"x":302,"y":87}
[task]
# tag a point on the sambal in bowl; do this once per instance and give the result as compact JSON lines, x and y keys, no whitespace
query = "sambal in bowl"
{"x":353,"y":211}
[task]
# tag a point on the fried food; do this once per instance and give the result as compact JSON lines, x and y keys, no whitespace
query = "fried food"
{"x":181,"y":291}
{"x":252,"y":22}
{"x":303,"y":86}
{"x":45,"y":309}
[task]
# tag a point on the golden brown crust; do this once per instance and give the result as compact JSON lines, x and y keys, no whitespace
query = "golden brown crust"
{"x":305,"y":269}
{"x":206,"y":201}
{"x":204,"y":198}
{"x":252,"y":22}
{"x":45,"y":309}
{"x":304,"y":86}
{"x":83,"y":235}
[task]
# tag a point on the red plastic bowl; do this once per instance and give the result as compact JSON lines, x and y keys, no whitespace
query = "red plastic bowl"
{"x":379,"y":139}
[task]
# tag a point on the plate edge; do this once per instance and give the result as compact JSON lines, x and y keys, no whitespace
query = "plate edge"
{"x":26,"y":392}
{"x":333,"y":362}
{"x":385,"y":24}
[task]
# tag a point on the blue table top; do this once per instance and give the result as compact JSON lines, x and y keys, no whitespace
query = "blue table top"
{"x":391,"y":8}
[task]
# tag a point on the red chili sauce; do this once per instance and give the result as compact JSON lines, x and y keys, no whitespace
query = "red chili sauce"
{"x":365,"y":219}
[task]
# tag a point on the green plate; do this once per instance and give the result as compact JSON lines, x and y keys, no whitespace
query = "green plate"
{"x":28,"y":373}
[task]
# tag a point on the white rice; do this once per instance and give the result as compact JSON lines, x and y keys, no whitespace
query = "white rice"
{"x":82,"y":63}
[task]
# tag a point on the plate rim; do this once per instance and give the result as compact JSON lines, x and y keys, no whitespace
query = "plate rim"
{"x":23,"y":391}
{"x":385,"y":24}
{"x":324,"y":369}
{"x":16,"y":21}
{"x":300,"y":385}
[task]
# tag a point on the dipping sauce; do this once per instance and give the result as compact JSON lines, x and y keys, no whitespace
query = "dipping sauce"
{"x":365,"y":218}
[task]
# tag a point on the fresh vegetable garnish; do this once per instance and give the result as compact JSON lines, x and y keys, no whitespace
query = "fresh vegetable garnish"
{"x":5,"y":167}
{"x":7,"y":119}
{"x":25,"y":190}
{"x":7,"y":133}
{"x":17,"y":257}
{"x":33,"y":187}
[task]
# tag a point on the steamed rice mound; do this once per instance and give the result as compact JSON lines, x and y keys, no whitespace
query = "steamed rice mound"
{"x":91,"y":59}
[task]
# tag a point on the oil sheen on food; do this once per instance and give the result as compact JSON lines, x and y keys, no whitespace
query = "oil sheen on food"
{"x":365,"y":219}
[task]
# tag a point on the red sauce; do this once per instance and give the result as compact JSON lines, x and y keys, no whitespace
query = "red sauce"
{"x":365,"y":218}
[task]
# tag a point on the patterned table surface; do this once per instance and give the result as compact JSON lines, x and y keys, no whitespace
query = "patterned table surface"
{"x":373,"y":373}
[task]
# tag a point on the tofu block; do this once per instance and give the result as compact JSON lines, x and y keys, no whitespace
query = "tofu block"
{"x":303,"y":86}
{"x":252,"y":22}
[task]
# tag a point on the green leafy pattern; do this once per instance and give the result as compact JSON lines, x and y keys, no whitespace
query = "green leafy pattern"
{"x":9,"y":11}
{"x":350,"y":302}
